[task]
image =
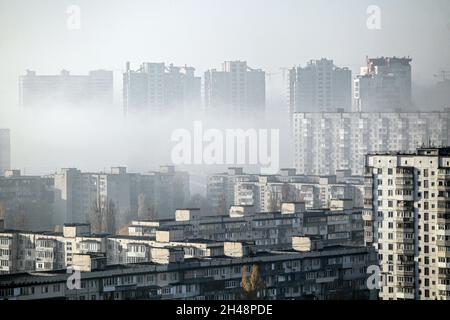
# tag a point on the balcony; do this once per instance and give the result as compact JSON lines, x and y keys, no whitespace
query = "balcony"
{"x":405,"y":272}
{"x":136,"y":254}
{"x":5,"y":243}
{"x":443,"y":254}
{"x":367,"y":215}
{"x":440,"y":232}
{"x":443,"y":287}
{"x":405,"y":295}
{"x":443,"y":265}
{"x":445,"y":243}
{"x":406,"y":252}
{"x":327,"y":279}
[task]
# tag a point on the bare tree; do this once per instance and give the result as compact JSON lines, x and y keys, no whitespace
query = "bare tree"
{"x":252,"y":286}
{"x":96,"y":216}
{"x":2,"y":210}
{"x":289,"y":193}
{"x":274,"y":201}
{"x":103,"y":216}
{"x":141,"y":205}
{"x":110,"y":217}
{"x":145,"y":210}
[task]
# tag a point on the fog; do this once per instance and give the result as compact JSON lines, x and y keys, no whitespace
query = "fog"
{"x":201,"y":33}
{"x":91,"y":139}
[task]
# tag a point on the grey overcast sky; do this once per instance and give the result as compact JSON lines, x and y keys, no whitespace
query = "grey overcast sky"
{"x":267,"y":33}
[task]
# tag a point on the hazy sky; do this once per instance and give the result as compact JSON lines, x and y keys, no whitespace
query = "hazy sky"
{"x":267,"y":33}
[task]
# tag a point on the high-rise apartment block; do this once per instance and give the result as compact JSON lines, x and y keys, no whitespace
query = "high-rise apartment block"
{"x":266,"y":193}
{"x":337,"y":273}
{"x":326,"y":142}
{"x":156,"y":88}
{"x":65,"y":89}
{"x":236,"y":89}
{"x":26,"y":202}
{"x":407,"y":220}
{"x":384,"y":85}
{"x":320,"y":86}
{"x":151,"y":195}
{"x":5,"y":151}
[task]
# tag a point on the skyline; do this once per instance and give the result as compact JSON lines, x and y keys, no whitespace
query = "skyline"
{"x":40,"y":34}
{"x":224,"y":150}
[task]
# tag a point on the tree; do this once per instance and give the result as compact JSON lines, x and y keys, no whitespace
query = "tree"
{"x":123,"y":231}
{"x":2,"y":210}
{"x":110,"y":218}
{"x":141,"y":205}
{"x":96,"y":216}
{"x":146,"y":210}
{"x":289,"y":193}
{"x":253,"y":285}
{"x":274,"y":201}
{"x":103,"y":217}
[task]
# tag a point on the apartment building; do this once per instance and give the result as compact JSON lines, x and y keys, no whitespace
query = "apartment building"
{"x":26,"y":202}
{"x":320,"y":86}
{"x":339,"y":225}
{"x":406,"y":215}
{"x":5,"y":151}
{"x":190,"y":234}
{"x":327,"y":142}
{"x":220,"y":190}
{"x":383,"y":85}
{"x":267,"y":192}
{"x":65,"y":89}
{"x":235,"y":90}
{"x":156,"y":88}
{"x":154,"y":194}
{"x":333,"y":273}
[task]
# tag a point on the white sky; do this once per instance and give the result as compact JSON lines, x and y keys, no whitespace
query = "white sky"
{"x":267,"y":33}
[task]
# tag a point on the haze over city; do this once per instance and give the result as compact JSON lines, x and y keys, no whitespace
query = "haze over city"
{"x":202,"y":34}
{"x":224,"y":150}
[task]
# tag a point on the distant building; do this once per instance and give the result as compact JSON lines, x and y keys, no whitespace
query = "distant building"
{"x":156,"y":88}
{"x":320,"y":86}
{"x":267,"y":193}
{"x":406,"y":220}
{"x":26,"y":202}
{"x":94,"y":89}
{"x":150,"y":195}
{"x":221,"y":189}
{"x":326,"y":142}
{"x":236,"y":89}
{"x":384,"y":85}
{"x":240,"y":234}
{"x":442,"y":94}
{"x":5,"y":151}
{"x":335,"y":273}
